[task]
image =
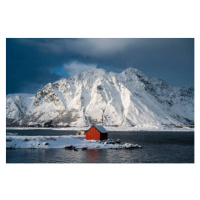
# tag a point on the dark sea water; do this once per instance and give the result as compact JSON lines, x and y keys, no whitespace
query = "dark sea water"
{"x":158,"y":147}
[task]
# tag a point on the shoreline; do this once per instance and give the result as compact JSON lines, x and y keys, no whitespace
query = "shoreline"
{"x":118,"y":129}
{"x":70,"y":142}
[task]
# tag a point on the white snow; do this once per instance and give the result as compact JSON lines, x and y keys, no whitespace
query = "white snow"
{"x":105,"y":98}
{"x":46,"y":142}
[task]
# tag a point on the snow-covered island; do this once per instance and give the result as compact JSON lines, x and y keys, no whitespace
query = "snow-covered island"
{"x":71,"y":142}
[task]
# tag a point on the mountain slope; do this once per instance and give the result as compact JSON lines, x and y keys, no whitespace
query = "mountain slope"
{"x":96,"y":96}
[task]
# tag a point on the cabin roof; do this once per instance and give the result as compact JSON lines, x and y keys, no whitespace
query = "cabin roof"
{"x":101,"y":129}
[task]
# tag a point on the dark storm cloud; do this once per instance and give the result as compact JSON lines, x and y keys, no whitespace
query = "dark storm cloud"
{"x":31,"y":63}
{"x":26,"y":69}
{"x":83,"y":47}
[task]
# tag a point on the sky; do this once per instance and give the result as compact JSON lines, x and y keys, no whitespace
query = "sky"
{"x":31,"y":63}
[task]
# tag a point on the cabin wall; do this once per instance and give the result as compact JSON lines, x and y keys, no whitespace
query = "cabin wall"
{"x":103,"y":136}
{"x":93,"y":134}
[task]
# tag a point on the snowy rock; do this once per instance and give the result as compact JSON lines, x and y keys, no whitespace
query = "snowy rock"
{"x":117,"y":141}
{"x":69,"y":147}
{"x":131,"y":146}
{"x":127,"y":145}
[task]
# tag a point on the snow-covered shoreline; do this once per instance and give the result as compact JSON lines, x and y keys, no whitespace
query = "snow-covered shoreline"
{"x":71,"y":142}
{"x":135,"y":128}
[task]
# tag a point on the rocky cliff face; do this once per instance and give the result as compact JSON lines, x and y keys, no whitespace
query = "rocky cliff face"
{"x":96,"y":96}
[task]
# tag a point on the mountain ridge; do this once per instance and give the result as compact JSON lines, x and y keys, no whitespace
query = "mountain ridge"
{"x":96,"y":96}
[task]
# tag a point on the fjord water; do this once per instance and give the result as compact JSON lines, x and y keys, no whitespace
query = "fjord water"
{"x":158,"y":147}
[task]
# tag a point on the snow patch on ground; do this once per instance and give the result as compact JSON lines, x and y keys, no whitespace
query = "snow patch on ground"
{"x":46,"y":142}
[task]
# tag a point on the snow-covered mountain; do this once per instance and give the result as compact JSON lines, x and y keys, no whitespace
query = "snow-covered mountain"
{"x":98,"y":97}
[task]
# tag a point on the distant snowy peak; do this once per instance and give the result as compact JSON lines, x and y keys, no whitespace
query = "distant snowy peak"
{"x":98,"y":97}
{"x":130,"y":71}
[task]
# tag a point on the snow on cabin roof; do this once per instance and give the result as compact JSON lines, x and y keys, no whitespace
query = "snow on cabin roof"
{"x":101,"y":129}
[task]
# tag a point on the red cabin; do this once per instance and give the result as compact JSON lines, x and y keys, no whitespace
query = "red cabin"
{"x":97,"y":133}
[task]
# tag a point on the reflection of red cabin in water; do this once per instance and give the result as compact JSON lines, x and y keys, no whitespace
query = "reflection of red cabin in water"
{"x":97,"y":133}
